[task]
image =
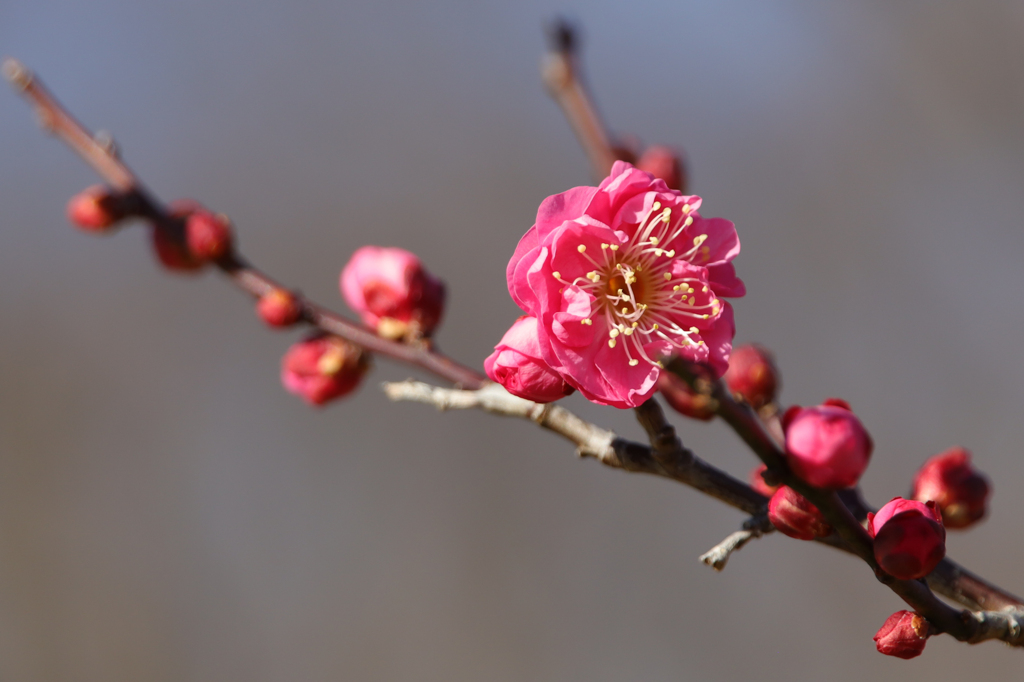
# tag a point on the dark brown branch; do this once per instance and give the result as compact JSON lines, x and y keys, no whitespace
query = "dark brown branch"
{"x":97,"y":153}
{"x":561,"y":75}
{"x":854,"y":537}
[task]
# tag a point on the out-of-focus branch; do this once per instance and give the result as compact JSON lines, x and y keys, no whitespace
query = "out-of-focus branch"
{"x":590,"y":440}
{"x":753,"y":528}
{"x":98,"y":154}
{"x":917,"y":594}
{"x":561,"y":75}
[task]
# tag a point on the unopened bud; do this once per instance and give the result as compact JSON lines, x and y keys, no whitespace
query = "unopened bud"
{"x":909,"y":538}
{"x":827,"y":446}
{"x":752,"y":375}
{"x":207,"y":235}
{"x":516,"y":364}
{"x":794,"y":515}
{"x":903,"y":635}
{"x":758,"y":483}
{"x":322,"y":368}
{"x":960,"y":491}
{"x":665,"y":163}
{"x":392,"y":292}
{"x":97,"y":209}
{"x":684,"y":399}
{"x":278,"y":308}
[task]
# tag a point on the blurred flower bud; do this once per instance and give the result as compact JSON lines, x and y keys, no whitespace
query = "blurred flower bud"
{"x":685,"y":400}
{"x":278,"y":308}
{"x":516,"y":364}
{"x":794,"y":515}
{"x":97,"y":209}
{"x":752,"y":375}
{"x":169,"y":240}
{"x":903,"y":635}
{"x":665,"y":163}
{"x":392,"y":292}
{"x":959,"y":490}
{"x":827,"y":446}
{"x":909,"y":538}
{"x":758,"y":483}
{"x":207,"y":235}
{"x":322,"y":368}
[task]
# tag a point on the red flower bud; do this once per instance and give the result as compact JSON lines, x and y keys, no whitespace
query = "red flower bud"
{"x":903,"y":635}
{"x":278,"y":308}
{"x":97,"y":209}
{"x":207,"y":235}
{"x":392,"y":292}
{"x":794,"y":515}
{"x":909,"y":538}
{"x":752,"y":375}
{"x":516,"y":364}
{"x":665,"y":163}
{"x":169,"y":240}
{"x":322,"y":368}
{"x":826,"y":446}
{"x":683,"y":399}
{"x":960,"y":491}
{"x":758,"y":483}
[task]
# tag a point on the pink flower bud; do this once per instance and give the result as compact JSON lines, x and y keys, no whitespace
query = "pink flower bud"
{"x":97,"y":209}
{"x":826,"y":446}
{"x":665,"y":163}
{"x":516,"y":364}
{"x":794,"y":515}
{"x":909,"y":538}
{"x":278,"y":308}
{"x":392,"y":292}
{"x":207,"y":235}
{"x":960,"y":491}
{"x":322,"y":368}
{"x":758,"y":483}
{"x":685,"y":400}
{"x":169,"y":241}
{"x":752,"y":375}
{"x":903,"y":635}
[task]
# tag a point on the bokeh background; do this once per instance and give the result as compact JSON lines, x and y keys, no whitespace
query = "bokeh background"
{"x":168,"y":512}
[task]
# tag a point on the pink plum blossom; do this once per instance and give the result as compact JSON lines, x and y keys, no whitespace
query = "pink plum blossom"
{"x":903,"y":635}
{"x":909,"y":538}
{"x":392,"y":292}
{"x":827,"y":446}
{"x":516,"y":364}
{"x":622,"y":275}
{"x":321,"y":368}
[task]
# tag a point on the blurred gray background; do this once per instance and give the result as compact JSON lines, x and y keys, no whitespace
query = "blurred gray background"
{"x":168,"y":512}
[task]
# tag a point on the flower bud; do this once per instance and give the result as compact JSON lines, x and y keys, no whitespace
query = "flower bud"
{"x":665,"y":163}
{"x":97,"y":209}
{"x":169,"y":240}
{"x":207,"y":235}
{"x":752,"y":375}
{"x":278,"y":308}
{"x":826,"y":446}
{"x":322,"y":368}
{"x":392,"y":292}
{"x":516,"y":364}
{"x":794,"y":515}
{"x":959,"y":490}
{"x":909,"y":538}
{"x":758,"y":483}
{"x":685,"y":400}
{"x":903,"y":635}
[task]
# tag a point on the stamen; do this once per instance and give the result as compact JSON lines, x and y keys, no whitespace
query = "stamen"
{"x":581,"y":248}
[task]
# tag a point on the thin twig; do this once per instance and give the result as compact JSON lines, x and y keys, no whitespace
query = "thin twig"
{"x":561,"y":74}
{"x":753,"y":528}
{"x":58,"y":121}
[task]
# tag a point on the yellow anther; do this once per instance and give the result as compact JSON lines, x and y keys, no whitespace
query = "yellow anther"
{"x":634,"y":362}
{"x":629,"y":331}
{"x":699,"y":239}
{"x":658,"y":252}
{"x":694,"y":330}
{"x":668,"y":276}
{"x":654,"y":241}
{"x":688,"y":221}
{"x":611,"y":343}
{"x":556,"y":274}
{"x":659,"y":364}
{"x":671,"y":254}
{"x":704,"y":290}
{"x":687,"y":208}
{"x":690,"y":300}
{"x":625,"y":310}
{"x":613,"y":333}
{"x":706,"y":316}
{"x":655,"y":327}
{"x":690,"y":290}
{"x":586,"y":321}
{"x":614,"y":247}
{"x":657,"y":205}
{"x":620,"y":293}
{"x":676,"y":287}
{"x":635,"y":325}
{"x":581,"y":248}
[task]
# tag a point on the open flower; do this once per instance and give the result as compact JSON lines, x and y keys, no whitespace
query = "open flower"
{"x":622,"y":275}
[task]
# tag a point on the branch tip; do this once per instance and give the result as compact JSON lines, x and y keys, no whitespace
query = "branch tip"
{"x":16,"y":73}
